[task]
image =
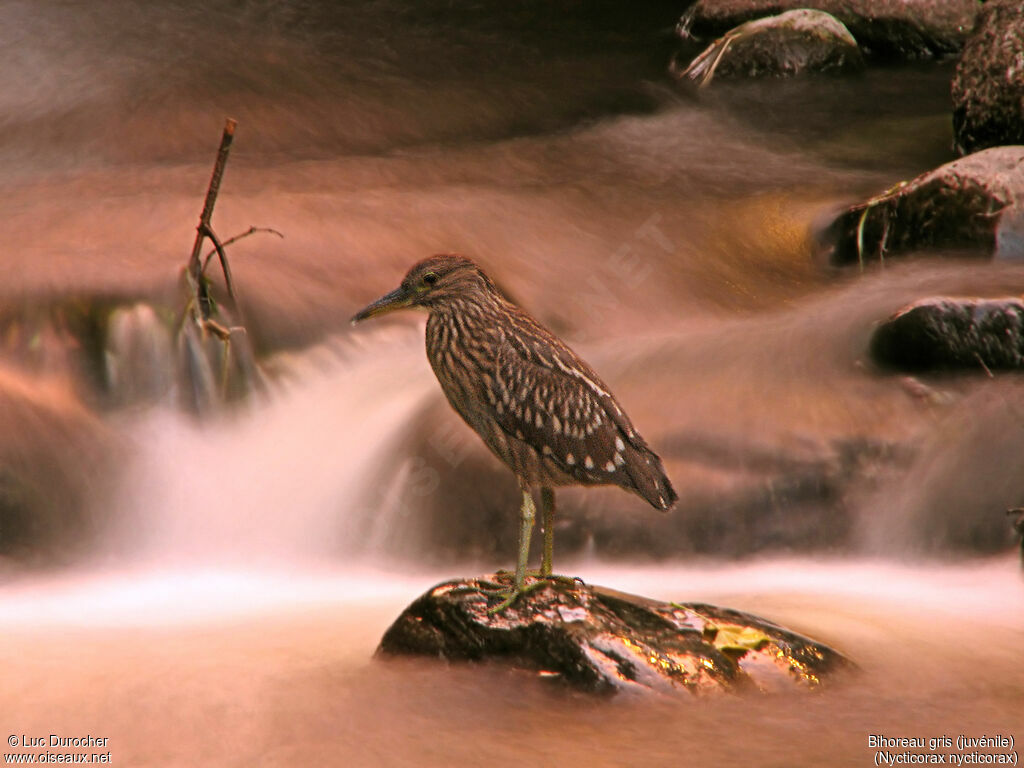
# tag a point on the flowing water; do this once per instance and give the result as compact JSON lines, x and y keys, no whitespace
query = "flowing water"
{"x":211,"y":591}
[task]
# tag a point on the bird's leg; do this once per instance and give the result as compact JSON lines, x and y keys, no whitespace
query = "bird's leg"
{"x":527,"y":514}
{"x":547,"y":508}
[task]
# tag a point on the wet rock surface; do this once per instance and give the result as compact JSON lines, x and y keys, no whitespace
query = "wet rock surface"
{"x":598,"y":640}
{"x":745,"y":495}
{"x":902,"y":29}
{"x":958,"y":206}
{"x":988,"y":86}
{"x":54,"y":459}
{"x":790,"y":43}
{"x":953,"y":333}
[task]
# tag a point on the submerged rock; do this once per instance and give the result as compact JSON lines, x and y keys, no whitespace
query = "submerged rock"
{"x":123,"y":350}
{"x":948,"y":333}
{"x":904,"y":29}
{"x":791,"y":43}
{"x":958,"y":206}
{"x":56,"y":459}
{"x":988,"y":86}
{"x":1017,"y":521}
{"x":602,"y":641}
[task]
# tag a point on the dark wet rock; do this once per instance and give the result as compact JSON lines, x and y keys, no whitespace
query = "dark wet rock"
{"x":1017,"y":521}
{"x":959,"y":206}
{"x":949,"y":333}
{"x":444,"y":498}
{"x":122,"y":350}
{"x":602,"y":641}
{"x":988,"y":86}
{"x":55,"y":458}
{"x":791,"y":43}
{"x":903,"y":29}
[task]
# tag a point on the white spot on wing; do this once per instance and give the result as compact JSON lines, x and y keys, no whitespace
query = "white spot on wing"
{"x":546,"y":450}
{"x":570,"y":459}
{"x":537,"y":349}
{"x":619,"y":445}
{"x":588,"y":462}
{"x":581,"y":376}
{"x":619,"y":460}
{"x":609,"y":467}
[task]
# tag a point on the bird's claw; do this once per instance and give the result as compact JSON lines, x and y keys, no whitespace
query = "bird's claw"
{"x":514,"y":593}
{"x":568,"y":581}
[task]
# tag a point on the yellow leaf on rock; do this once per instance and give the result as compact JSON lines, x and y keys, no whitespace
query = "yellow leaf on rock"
{"x":732,"y":636}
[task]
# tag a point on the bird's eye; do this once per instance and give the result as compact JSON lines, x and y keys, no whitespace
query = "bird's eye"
{"x":430,"y":278}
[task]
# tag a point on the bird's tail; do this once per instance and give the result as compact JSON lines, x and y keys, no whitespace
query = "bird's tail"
{"x":650,"y":481}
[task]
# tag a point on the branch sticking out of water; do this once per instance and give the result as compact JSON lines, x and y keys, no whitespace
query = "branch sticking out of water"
{"x":204,"y":323}
{"x":194,"y":263}
{"x":235,"y":238}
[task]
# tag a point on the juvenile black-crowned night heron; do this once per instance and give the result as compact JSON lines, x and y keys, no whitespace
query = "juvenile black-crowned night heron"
{"x":535,"y":403}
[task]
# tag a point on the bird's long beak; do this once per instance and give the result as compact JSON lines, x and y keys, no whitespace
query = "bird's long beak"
{"x":389,"y":302}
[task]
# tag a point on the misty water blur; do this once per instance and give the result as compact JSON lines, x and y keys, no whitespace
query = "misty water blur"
{"x":242,"y":568}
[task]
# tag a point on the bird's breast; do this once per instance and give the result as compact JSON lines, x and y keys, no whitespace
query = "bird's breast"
{"x":462,"y":357}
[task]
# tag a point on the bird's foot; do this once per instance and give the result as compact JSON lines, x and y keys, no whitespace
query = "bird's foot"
{"x":513,"y":593}
{"x":566,"y":581}
{"x":501,"y":587}
{"x":569,"y":581}
{"x":510,"y":592}
{"x":489,"y":587}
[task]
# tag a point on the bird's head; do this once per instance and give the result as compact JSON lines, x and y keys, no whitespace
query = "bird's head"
{"x":431,"y":283}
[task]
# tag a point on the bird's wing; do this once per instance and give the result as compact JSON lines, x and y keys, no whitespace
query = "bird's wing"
{"x":548,"y":398}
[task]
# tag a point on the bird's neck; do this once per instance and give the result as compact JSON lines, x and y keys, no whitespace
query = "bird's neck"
{"x":467,"y":324}
{"x":478,"y":307}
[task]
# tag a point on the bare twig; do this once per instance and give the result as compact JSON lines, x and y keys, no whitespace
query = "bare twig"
{"x":236,"y":238}
{"x":201,"y":321}
{"x":195,"y":261}
{"x":224,"y":266}
{"x":217,"y":329}
{"x":699,"y":68}
{"x":981,"y":362}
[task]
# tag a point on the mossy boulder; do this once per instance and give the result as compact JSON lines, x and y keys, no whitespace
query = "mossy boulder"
{"x":896,"y":29}
{"x":971,"y":206}
{"x":791,"y":43}
{"x":953,"y":333}
{"x":988,"y":85}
